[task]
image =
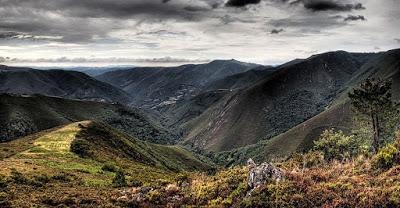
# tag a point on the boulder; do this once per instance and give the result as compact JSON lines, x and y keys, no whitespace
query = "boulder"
{"x":261,"y":174}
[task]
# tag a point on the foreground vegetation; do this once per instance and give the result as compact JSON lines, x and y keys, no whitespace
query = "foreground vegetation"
{"x":41,"y":170}
{"x":311,"y":180}
{"x":85,"y":164}
{"x":89,"y":164}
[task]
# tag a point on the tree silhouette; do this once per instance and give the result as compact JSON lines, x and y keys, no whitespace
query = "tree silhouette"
{"x":373,"y":99}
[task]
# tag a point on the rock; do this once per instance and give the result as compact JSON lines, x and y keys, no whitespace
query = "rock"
{"x":259,"y":175}
{"x":251,"y":164}
{"x":172,"y":189}
{"x":145,"y":189}
{"x":123,"y":198}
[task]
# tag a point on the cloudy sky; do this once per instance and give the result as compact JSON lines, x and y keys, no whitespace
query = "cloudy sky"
{"x":171,"y":32}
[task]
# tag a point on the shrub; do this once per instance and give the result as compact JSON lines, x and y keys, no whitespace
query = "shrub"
{"x":3,"y":199}
{"x":182,"y":179}
{"x":80,"y":147}
{"x":336,"y":145}
{"x":300,"y":161}
{"x":63,"y":177}
{"x":387,"y":157}
{"x":18,"y":177}
{"x":3,"y":183}
{"x":135,"y":183}
{"x":119,"y":179}
{"x":109,"y":168}
{"x":40,"y":180}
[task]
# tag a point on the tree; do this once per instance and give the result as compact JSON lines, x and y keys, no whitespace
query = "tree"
{"x":374,"y":100}
{"x":119,"y":179}
{"x":336,"y":145}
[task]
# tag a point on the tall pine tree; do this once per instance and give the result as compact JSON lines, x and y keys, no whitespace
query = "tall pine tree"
{"x":373,"y":99}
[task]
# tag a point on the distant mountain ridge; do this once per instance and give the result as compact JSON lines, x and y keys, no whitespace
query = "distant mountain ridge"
{"x":292,"y":94}
{"x":96,"y":71}
{"x":24,"y":115}
{"x":67,"y":84}
{"x":152,"y":87}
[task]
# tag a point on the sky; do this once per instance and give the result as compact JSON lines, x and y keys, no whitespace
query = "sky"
{"x":175,"y":32}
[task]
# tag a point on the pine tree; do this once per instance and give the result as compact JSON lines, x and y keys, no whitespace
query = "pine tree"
{"x":373,"y":99}
{"x":119,"y":179}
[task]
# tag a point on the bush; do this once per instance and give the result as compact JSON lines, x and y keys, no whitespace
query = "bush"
{"x":81,"y":148}
{"x":18,"y":177}
{"x":182,"y":179}
{"x":63,"y":177}
{"x":4,"y":199}
{"x":3,"y":183}
{"x":336,"y":145}
{"x":109,"y":168}
{"x":387,"y":157}
{"x":135,"y":183}
{"x":119,"y":179}
{"x":40,"y":180}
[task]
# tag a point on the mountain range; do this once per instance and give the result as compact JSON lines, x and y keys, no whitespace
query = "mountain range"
{"x":155,"y":87}
{"x":179,"y":136}
{"x":231,"y":108}
{"x":24,"y":115}
{"x":66,"y":84}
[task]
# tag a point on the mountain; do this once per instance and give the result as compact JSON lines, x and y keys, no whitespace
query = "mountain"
{"x":67,"y":84}
{"x":292,"y":94}
{"x":183,"y":111}
{"x":76,"y":165}
{"x":153,"y":87}
{"x":103,"y":143}
{"x":176,"y":114}
{"x":338,"y":115}
{"x":96,"y":71}
{"x":241,"y":80}
{"x":297,"y":139}
{"x":24,"y":115}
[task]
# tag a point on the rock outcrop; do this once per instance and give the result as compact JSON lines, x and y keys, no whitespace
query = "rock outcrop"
{"x":259,"y":175}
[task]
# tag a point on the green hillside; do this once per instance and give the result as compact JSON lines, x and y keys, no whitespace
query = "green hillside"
{"x":338,"y":115}
{"x":23,"y":115}
{"x":76,"y":159}
{"x":297,"y":139}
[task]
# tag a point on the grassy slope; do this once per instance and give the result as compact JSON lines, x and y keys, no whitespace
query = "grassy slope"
{"x":310,"y":181}
{"x":20,"y":116}
{"x":299,"y":138}
{"x":116,"y":146}
{"x":290,"y":96}
{"x":338,"y":115}
{"x":67,"y":175}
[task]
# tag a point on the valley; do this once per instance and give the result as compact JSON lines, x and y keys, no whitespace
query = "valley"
{"x":177,"y":136}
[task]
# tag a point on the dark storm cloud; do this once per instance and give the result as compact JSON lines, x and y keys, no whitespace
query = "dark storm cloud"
{"x":276,"y":31}
{"x":69,"y":29}
{"x":8,"y":35}
{"x":124,"y":8}
{"x":24,"y":36}
{"x":80,"y":21}
{"x":330,"y":5}
{"x":196,"y":8}
{"x":106,"y":8}
{"x":355,"y":18}
{"x":307,"y":24}
{"x":241,"y":3}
